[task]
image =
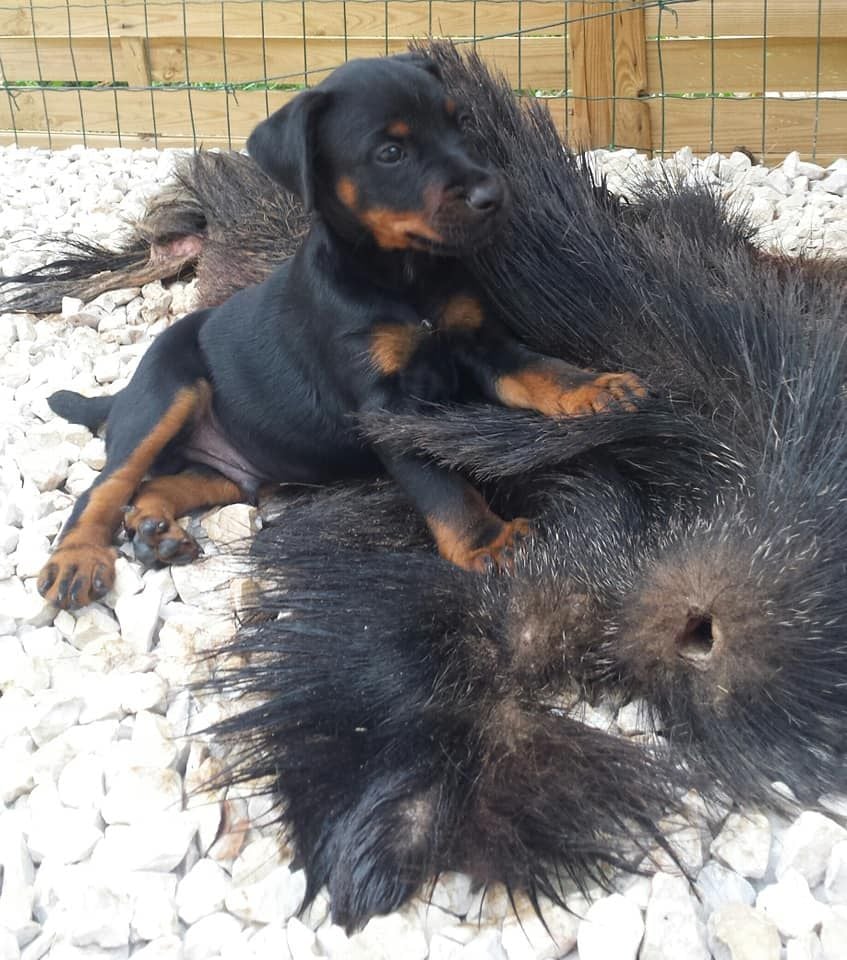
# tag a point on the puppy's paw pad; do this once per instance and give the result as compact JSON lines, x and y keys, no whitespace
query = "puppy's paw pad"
{"x":159,"y":539}
{"x":77,"y":575}
{"x":500,"y":553}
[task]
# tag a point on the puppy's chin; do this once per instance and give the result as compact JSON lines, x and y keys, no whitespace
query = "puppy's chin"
{"x":459,"y":237}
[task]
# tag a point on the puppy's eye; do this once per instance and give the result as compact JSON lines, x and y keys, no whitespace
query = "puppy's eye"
{"x":390,"y":153}
{"x":464,"y":120}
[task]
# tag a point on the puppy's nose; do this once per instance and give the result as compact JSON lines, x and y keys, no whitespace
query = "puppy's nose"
{"x":485,"y":196}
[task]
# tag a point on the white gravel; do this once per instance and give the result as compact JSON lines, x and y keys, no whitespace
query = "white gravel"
{"x":108,"y":846}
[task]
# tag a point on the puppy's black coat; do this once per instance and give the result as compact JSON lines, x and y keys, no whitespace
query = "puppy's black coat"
{"x":375,"y":311}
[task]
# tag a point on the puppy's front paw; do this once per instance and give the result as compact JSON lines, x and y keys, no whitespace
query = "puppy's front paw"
{"x":499,"y":554}
{"x":77,"y":574}
{"x":604,"y":391}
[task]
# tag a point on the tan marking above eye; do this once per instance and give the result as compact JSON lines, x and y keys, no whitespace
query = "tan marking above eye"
{"x":399,"y":128}
{"x":347,"y":192}
{"x":450,"y":106}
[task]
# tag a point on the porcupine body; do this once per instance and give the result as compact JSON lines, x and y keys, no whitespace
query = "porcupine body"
{"x":418,"y":720}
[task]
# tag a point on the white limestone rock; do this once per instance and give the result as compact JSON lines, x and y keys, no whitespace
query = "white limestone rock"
{"x":382,"y":938}
{"x":302,"y":942}
{"x":834,"y":934}
{"x":137,"y":792}
{"x":138,"y":616}
{"x":790,"y":905}
{"x":163,"y":948}
{"x":744,"y":844}
{"x":93,"y":623}
{"x":52,"y":713}
{"x":231,"y":526}
{"x":717,"y":886}
{"x":153,"y":899}
{"x":80,"y":782}
{"x":158,"y":842}
{"x":672,"y":929}
{"x":276,"y":896}
{"x":739,"y":932}
{"x":835,"y":880}
{"x":211,"y":936}
{"x":16,"y":898}
{"x":202,"y":891}
{"x":452,"y":893}
{"x":612,"y":927}
{"x":527,"y":937}
{"x":807,"y":947}
{"x":807,"y":845}
{"x":44,"y":468}
{"x":153,"y":744}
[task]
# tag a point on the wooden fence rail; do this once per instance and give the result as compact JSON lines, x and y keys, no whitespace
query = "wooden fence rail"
{"x":712,"y":74}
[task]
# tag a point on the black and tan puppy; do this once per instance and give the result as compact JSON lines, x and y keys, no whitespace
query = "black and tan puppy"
{"x":374,"y":312}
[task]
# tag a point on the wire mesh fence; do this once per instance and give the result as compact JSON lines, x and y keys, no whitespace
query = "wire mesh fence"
{"x":768,"y":76}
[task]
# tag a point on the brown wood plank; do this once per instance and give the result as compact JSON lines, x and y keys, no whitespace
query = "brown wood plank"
{"x":791,"y":65}
{"x":173,"y":127}
{"x":533,"y":62}
{"x":631,"y":116}
{"x":174,"y":110}
{"x":789,"y":125}
{"x":745,"y":18}
{"x":591,"y":82}
{"x":135,"y":67}
{"x":577,"y":119}
{"x":356,"y":18}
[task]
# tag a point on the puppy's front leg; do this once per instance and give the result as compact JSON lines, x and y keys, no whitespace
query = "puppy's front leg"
{"x":465,"y":529}
{"x":517,"y":377}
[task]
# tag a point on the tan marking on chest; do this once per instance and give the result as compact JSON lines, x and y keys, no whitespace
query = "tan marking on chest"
{"x":392,"y":346}
{"x":461,"y":313}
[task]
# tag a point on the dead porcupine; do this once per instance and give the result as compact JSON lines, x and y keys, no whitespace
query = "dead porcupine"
{"x":415,"y":719}
{"x":727,"y":611}
{"x":221,"y":219}
{"x":690,"y":554}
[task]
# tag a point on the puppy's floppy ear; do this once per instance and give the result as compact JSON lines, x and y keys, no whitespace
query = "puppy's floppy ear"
{"x":419,"y":59}
{"x":284,"y":144}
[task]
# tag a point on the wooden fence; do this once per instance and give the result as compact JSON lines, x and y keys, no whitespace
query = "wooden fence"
{"x":768,"y":75}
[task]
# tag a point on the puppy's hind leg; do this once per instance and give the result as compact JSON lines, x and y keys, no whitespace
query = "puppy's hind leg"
{"x":82,"y":567}
{"x":151,"y":520}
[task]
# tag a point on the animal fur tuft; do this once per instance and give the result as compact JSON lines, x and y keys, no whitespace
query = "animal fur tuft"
{"x":221,"y":219}
{"x":413,"y":735}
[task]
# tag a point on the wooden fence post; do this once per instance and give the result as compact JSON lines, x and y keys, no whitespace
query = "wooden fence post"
{"x":608,"y":59}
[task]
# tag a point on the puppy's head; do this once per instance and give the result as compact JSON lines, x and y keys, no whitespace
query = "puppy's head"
{"x":378,"y":150}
